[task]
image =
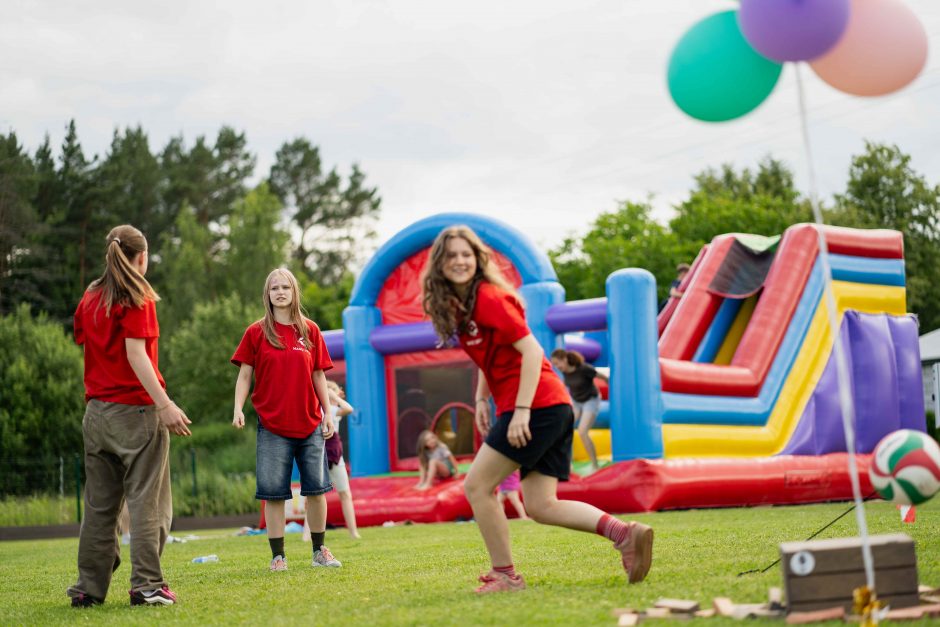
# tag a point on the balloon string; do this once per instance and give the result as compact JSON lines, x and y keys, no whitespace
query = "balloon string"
{"x":846,"y":403}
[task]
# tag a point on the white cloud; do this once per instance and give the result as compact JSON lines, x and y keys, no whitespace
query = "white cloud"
{"x":541,"y":113}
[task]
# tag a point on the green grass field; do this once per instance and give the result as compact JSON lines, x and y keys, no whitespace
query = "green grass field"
{"x":425,"y":574}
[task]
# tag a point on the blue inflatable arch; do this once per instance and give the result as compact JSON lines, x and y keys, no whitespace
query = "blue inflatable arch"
{"x":365,"y":378}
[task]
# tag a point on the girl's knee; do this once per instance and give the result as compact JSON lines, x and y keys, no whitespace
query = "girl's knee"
{"x":537,"y":510}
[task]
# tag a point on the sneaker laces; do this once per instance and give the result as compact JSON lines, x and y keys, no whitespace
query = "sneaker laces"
{"x":325,"y":552}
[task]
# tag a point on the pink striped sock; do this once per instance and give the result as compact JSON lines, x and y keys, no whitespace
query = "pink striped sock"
{"x":612,"y":528}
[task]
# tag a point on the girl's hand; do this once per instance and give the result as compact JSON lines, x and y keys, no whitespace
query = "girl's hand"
{"x":482,"y":417}
{"x":174,"y":419}
{"x":518,"y":433}
{"x":238,"y":421}
{"x":328,"y":428}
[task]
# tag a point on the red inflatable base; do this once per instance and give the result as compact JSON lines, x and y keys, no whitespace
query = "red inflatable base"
{"x":635,"y":486}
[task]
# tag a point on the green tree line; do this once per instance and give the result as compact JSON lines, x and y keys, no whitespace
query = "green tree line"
{"x":214,"y":236}
{"x":214,"y":231}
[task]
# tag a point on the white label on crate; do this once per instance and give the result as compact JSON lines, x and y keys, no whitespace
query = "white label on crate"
{"x":802,"y":563}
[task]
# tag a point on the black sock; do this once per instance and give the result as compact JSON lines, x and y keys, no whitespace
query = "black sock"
{"x":277,"y":547}
{"x":318,"y":537}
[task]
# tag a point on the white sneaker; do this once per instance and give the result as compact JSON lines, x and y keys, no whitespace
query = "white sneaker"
{"x":279,"y":563}
{"x":323,"y":557}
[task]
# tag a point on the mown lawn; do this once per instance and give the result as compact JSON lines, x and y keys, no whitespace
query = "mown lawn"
{"x":425,"y":574}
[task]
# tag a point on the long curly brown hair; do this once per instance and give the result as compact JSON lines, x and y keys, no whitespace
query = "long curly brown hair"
{"x":439,"y":298}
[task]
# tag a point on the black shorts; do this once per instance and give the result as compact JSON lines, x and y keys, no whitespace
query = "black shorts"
{"x":549,"y":450}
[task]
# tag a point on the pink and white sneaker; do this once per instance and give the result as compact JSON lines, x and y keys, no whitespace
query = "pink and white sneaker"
{"x":500,"y":582}
{"x":279,"y":563}
{"x":636,"y":551}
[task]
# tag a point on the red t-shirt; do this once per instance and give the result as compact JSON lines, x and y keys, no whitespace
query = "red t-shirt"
{"x":108,"y":374}
{"x":283,"y":395}
{"x":496,"y":322}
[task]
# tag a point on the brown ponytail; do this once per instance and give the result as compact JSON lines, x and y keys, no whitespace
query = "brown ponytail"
{"x":122,"y":283}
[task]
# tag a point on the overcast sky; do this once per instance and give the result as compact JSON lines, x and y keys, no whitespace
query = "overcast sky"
{"x":541,"y":113}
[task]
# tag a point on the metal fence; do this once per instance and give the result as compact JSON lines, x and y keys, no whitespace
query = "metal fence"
{"x":198,"y":488}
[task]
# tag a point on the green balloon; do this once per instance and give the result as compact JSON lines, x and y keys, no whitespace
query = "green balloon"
{"x":714,"y":74}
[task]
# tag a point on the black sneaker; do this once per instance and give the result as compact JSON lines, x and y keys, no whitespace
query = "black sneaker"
{"x":85,"y":600}
{"x":163,"y":596}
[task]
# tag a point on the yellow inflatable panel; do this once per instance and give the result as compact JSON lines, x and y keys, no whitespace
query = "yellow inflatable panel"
{"x":601,"y":440}
{"x":736,"y":332}
{"x":738,"y":441}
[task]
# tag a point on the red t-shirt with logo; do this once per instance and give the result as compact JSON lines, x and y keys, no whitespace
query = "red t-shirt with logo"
{"x":283,"y":394}
{"x":496,"y":322}
{"x":108,"y":373}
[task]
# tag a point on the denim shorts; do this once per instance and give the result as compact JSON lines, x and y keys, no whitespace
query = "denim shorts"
{"x":275,"y":462}
{"x":590,"y":406}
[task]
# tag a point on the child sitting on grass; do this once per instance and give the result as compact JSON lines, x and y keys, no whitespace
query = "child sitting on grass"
{"x":435,"y":460}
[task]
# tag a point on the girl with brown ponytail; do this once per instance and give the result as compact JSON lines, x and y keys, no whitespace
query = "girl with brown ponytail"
{"x":128,"y":419}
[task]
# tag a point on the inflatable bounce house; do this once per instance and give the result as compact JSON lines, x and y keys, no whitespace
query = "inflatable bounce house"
{"x":727,"y":397}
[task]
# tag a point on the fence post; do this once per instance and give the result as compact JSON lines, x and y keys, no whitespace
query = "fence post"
{"x":78,"y":489}
{"x":61,"y":476}
{"x":192,"y":457}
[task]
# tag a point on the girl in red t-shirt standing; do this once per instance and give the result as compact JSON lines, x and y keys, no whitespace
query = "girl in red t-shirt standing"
{"x":287,"y":355}
{"x":128,"y":419}
{"x":464,"y":294}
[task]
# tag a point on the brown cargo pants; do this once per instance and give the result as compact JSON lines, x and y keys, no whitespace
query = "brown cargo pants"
{"x":126,"y":456}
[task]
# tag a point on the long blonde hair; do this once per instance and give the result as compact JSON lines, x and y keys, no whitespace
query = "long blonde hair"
{"x":122,"y":283}
{"x":439,"y":299}
{"x":421,"y":447}
{"x":297,"y":319}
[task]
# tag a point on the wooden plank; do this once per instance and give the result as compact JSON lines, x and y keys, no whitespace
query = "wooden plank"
{"x":658,"y":612}
{"x":840,"y":585}
{"x":845,"y":554}
{"x":678,"y":605}
{"x":628,"y":620}
{"x":913,"y":613}
{"x":895,"y":601}
{"x":723,"y":605}
{"x":710,"y":612}
{"x":802,"y":618}
{"x":754,"y":610}
{"x":617,"y":612}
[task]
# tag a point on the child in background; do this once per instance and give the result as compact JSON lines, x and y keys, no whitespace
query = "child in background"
{"x":509,"y":490}
{"x":334,"y":457}
{"x":435,"y":459}
{"x":579,"y":378}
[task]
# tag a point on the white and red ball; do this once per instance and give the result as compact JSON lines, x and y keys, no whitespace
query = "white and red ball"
{"x":905,"y":467}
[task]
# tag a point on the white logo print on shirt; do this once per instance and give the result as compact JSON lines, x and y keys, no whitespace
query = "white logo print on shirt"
{"x":473,"y":331}
{"x":300,"y":346}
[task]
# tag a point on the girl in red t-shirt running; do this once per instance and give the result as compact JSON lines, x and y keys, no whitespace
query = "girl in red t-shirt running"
{"x":126,"y":428}
{"x":464,"y":294}
{"x":287,"y":355}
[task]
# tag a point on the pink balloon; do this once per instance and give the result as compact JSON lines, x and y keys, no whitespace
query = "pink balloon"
{"x":883,"y":49}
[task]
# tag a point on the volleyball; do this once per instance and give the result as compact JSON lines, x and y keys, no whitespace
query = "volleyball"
{"x":905,"y":467}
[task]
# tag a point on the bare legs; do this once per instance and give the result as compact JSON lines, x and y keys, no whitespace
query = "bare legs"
{"x":513,"y":497}
{"x":584,"y":428}
{"x":349,"y":513}
{"x":436,"y":469}
{"x":542,"y":505}
{"x":489,"y":468}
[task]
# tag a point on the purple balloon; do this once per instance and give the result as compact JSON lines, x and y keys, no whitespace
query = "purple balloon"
{"x":793,"y":30}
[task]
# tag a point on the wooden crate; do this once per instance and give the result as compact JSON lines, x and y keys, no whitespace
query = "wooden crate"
{"x":820,"y":574}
